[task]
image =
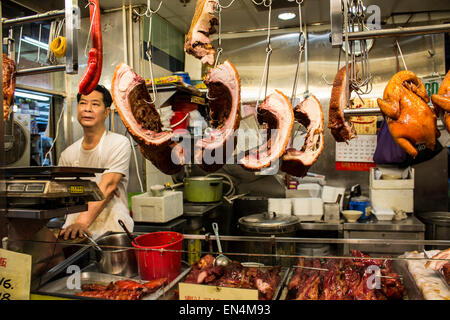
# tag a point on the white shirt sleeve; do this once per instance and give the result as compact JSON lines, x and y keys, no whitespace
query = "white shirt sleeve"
{"x":118,"y":160}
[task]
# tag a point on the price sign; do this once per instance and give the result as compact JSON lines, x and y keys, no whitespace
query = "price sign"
{"x":15,"y":275}
{"x":432,"y":84}
{"x":189,"y":291}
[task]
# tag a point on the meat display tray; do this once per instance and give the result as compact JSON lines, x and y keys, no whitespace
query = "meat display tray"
{"x":59,"y":287}
{"x":172,"y":294}
{"x":411,"y":289}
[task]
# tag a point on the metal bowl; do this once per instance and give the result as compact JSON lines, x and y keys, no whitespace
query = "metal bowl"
{"x":116,"y":261}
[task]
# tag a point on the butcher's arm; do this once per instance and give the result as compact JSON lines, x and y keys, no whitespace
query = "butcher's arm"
{"x":108,"y":186}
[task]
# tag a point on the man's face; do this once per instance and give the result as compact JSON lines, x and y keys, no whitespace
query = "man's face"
{"x":91,"y":110}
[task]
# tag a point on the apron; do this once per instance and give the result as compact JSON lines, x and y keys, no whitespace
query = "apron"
{"x":114,"y":210}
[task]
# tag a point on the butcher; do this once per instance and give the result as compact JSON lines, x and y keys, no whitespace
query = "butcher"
{"x":99,"y":148}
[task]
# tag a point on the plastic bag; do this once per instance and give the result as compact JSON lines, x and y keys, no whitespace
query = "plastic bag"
{"x":387,"y":150}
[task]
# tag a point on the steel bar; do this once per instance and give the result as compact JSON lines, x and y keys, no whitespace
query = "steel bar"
{"x":38,"y":17}
{"x":399,"y":32}
{"x":362,"y":112}
{"x":38,"y":70}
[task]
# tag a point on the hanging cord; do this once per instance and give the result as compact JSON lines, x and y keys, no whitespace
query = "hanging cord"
{"x":90,"y":27}
{"x":301,"y":49}
{"x":401,"y":54}
{"x":55,"y":31}
{"x":266,"y":3}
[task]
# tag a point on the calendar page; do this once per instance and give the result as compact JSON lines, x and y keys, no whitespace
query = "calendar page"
{"x":359,"y":149}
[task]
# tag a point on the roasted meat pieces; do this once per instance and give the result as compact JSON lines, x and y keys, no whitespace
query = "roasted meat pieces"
{"x":405,"y":105}
{"x":140,"y":117}
{"x":277,"y":115}
{"x":440,"y":265}
{"x":121,"y":290}
{"x":309,"y":114}
{"x":441,"y":101}
{"x":198,"y":42}
{"x":344,"y":279}
{"x":9,"y":84}
{"x":341,"y":128}
{"x":235,"y":275}
{"x":224,"y":92}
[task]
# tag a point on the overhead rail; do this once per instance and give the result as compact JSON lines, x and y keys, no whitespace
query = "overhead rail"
{"x":71,"y":14}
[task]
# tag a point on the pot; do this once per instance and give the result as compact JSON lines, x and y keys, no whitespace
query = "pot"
{"x":121,"y":262}
{"x":203,"y":189}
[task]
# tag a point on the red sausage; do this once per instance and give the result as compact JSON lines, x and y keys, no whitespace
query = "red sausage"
{"x":93,"y":71}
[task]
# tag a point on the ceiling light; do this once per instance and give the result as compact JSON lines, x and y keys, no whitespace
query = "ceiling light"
{"x":35,"y":42}
{"x":31,"y":96}
{"x":286,"y":16}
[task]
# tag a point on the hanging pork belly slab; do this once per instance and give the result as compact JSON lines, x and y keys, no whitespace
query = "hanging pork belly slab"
{"x":341,"y":129}
{"x":297,"y":162}
{"x":198,"y":42}
{"x":276,"y":112}
{"x":140,"y":117}
{"x":224,"y":92}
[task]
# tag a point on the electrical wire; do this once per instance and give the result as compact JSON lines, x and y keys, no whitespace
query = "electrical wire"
{"x":136,"y":163}
{"x":56,"y":138}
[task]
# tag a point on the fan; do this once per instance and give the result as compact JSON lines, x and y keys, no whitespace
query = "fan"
{"x":17,"y":149}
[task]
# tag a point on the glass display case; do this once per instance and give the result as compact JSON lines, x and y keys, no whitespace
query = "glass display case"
{"x":269,"y":267}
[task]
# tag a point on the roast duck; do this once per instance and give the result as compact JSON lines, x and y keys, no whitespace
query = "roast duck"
{"x":91,"y":76}
{"x":344,"y":279}
{"x":441,"y":266}
{"x":405,"y":105}
{"x":441,"y":101}
{"x":121,"y":289}
{"x":235,"y":275}
{"x":341,"y":128}
{"x":9,"y":84}
{"x":198,"y":42}
{"x":309,"y":114}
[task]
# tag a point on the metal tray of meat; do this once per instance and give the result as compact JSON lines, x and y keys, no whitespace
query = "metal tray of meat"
{"x":411,"y":290}
{"x":284,"y":271}
{"x":60,"y":287}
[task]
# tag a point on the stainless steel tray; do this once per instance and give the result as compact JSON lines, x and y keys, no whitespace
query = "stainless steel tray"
{"x":172,"y":294}
{"x":60,"y":288}
{"x":412,"y":291}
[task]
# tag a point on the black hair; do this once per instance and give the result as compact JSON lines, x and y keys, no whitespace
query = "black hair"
{"x":107,"y":99}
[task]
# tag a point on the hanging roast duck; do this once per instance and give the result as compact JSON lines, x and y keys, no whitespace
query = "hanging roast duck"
{"x":441,"y":101}
{"x":411,"y":121}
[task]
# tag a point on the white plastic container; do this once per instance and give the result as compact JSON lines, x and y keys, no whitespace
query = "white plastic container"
{"x":393,"y":194}
{"x":330,"y":195}
{"x":147,"y":208}
{"x":280,"y":206}
{"x":308,"y":209}
{"x":383,"y":214}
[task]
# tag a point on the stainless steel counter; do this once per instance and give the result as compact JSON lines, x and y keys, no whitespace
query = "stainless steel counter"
{"x":408,"y":229}
{"x":408,"y":225}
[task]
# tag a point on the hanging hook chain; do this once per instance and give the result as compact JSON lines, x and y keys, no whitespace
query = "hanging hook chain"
{"x":301,"y":49}
{"x":90,"y":27}
{"x":148,"y":12}
{"x":267,"y":3}
{"x":218,"y":9}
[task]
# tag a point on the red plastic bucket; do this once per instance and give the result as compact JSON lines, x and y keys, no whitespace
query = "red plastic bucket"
{"x":177,"y":117}
{"x":155,"y":264}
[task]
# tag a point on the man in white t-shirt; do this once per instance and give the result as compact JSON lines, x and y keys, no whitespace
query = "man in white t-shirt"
{"x":99,"y":148}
